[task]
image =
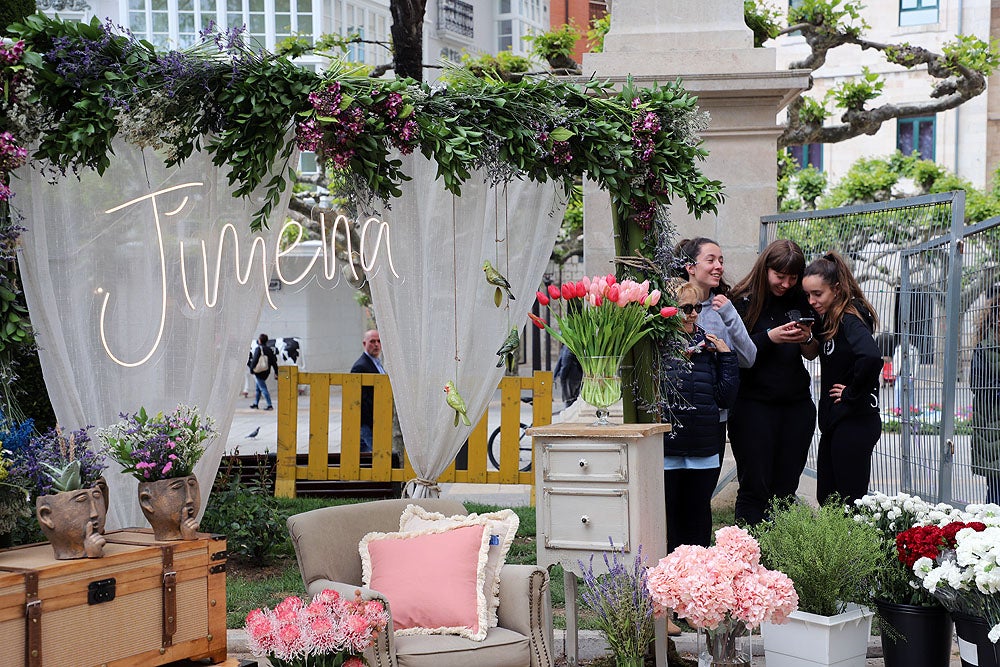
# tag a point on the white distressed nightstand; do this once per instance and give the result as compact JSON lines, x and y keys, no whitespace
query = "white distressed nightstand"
{"x":595,"y":485}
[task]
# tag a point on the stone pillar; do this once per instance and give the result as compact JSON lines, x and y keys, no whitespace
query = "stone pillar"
{"x":710,"y":48}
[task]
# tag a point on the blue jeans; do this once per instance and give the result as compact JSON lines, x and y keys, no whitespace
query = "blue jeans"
{"x":261,"y":389}
{"x":366,"y":438}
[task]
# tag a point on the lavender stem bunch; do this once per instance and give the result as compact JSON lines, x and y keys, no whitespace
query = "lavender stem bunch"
{"x":621,"y":600}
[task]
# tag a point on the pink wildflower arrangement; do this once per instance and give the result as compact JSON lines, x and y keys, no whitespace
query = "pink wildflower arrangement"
{"x":160,"y":446}
{"x":329,"y":631}
{"x":722,"y":586}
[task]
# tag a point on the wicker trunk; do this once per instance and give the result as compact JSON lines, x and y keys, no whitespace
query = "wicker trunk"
{"x":144,"y":603}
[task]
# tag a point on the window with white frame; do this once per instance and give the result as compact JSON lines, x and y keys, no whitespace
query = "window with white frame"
{"x":518,"y":18}
{"x":918,"y":12}
{"x":176,"y":23}
{"x":367,"y":21}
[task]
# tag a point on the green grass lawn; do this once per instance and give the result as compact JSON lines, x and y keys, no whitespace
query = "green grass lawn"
{"x":252,"y":585}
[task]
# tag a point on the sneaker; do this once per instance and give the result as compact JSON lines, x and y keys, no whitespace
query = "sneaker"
{"x":253,"y":407}
{"x":269,"y":408}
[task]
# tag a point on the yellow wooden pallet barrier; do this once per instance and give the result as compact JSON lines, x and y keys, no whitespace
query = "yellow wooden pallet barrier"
{"x":478,"y":470}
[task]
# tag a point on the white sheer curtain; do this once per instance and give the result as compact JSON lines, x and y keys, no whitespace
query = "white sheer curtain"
{"x":441,"y":307}
{"x":76,"y":253}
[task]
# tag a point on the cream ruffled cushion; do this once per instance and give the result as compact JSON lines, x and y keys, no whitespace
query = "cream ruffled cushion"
{"x":432,"y":578}
{"x":502,"y":524}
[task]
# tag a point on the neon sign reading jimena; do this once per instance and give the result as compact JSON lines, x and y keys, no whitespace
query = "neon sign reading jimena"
{"x":211,"y":280}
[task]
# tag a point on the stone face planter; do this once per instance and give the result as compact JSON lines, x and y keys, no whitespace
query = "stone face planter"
{"x":809,"y":639}
{"x":72,"y":522}
{"x":170,"y":506}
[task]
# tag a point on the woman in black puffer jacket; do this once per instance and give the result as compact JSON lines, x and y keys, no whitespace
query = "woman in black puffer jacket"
{"x":694,"y":389}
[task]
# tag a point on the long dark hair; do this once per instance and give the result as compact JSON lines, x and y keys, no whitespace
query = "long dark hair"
{"x":686,"y":251}
{"x":834,"y":271}
{"x":782,"y":256}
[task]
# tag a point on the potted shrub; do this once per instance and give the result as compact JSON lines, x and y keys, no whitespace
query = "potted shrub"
{"x":832,"y":561}
{"x":556,"y":47}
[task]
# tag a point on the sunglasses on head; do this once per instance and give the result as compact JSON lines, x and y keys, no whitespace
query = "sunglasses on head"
{"x":689,"y":308}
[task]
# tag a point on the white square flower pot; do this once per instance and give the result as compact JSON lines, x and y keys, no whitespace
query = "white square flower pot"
{"x":810,"y":639}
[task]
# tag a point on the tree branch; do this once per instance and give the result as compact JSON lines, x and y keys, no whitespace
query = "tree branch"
{"x":956,"y":84}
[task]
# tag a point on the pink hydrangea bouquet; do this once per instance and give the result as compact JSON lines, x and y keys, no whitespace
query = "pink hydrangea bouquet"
{"x":602,"y":320}
{"x":723,"y":589}
{"x":329,"y":631}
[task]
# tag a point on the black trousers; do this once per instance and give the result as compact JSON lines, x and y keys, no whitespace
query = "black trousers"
{"x":844,"y":460}
{"x":688,"y":499}
{"x":770,"y":442}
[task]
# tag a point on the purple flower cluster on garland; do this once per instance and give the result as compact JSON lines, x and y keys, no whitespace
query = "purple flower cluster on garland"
{"x":340,"y":121}
{"x":79,"y":59}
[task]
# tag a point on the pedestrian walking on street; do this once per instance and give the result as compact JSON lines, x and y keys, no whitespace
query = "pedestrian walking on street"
{"x":261,"y":361}
{"x":772,"y":422}
{"x":850,"y":364}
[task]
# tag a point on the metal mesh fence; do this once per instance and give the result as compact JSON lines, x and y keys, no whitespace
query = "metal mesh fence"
{"x":928,"y":295}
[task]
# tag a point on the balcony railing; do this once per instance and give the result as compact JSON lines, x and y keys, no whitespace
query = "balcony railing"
{"x":455,"y":16}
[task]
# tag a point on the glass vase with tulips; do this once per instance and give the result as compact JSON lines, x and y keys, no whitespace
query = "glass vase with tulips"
{"x":601,"y":321}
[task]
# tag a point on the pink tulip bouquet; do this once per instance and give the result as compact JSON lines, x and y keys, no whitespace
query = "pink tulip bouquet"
{"x":329,"y":631}
{"x":601,"y":321}
{"x":723,"y":590}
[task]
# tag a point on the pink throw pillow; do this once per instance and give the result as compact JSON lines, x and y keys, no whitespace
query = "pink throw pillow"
{"x":433,"y":579}
{"x":501,"y":525}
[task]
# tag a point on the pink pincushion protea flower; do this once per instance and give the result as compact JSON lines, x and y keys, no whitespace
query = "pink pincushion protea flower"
{"x":714,"y":586}
{"x":331,"y":629}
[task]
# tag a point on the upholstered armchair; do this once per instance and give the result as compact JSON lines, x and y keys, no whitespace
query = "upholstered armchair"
{"x":326,"y":545}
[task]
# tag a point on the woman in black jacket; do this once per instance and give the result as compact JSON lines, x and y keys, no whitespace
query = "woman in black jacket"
{"x":694,"y":389}
{"x":772,"y":423}
{"x":850,"y":362}
{"x":984,"y":380}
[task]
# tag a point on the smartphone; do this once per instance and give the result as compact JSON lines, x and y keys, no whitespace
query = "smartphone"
{"x":806,"y":320}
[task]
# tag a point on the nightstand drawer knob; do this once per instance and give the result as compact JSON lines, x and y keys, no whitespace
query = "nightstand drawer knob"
{"x":584,"y":519}
{"x":583,"y":463}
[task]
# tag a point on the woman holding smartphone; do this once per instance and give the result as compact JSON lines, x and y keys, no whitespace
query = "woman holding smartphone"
{"x":772,"y":422}
{"x":694,"y":389}
{"x":850,"y":363}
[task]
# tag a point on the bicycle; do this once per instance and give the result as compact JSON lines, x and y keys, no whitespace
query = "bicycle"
{"x":524,"y":445}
